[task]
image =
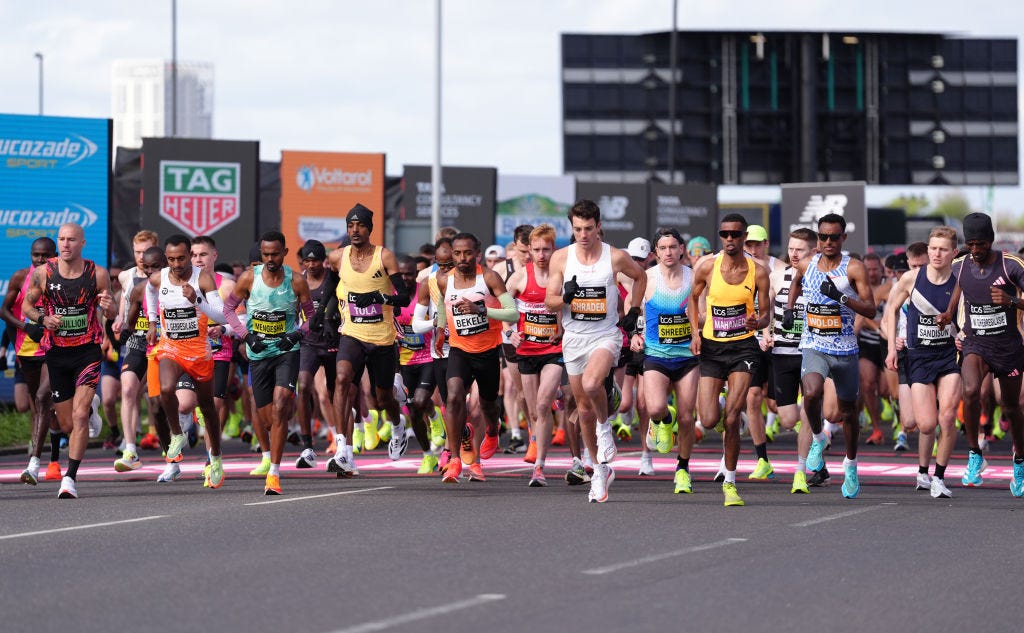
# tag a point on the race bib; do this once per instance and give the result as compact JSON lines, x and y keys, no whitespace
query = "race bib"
{"x":181,"y":323}
{"x":539,"y":327}
{"x":930,"y":334}
{"x":470,"y":324}
{"x":373,"y":313}
{"x":267,"y":323}
{"x":589,"y":304}
{"x":142,"y":323}
{"x":988,"y":320}
{"x":823,"y":319}
{"x":729,"y":321}
{"x":74,"y":320}
{"x":412,"y":341}
{"x":674,"y":329}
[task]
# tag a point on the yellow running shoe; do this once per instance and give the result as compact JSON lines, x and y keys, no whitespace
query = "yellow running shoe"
{"x":428,"y":465}
{"x":206,"y":476}
{"x":763,"y":470}
{"x":663,"y":436}
{"x":216,"y":472}
{"x":732,"y":498}
{"x":371,"y":439}
{"x":384,"y":432}
{"x":683,"y":483}
{"x":358,"y":437}
{"x":799,"y":483}
{"x":262,"y":470}
{"x":437,"y":435}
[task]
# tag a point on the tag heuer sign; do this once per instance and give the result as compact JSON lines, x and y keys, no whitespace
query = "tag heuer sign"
{"x":200,"y":198}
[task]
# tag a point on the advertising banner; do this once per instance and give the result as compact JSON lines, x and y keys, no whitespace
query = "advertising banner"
{"x":202,"y":187}
{"x":467,"y":198}
{"x":624,"y":210}
{"x":804,"y":203}
{"x":691,"y":209}
{"x":319,"y":188}
{"x":534,"y":200}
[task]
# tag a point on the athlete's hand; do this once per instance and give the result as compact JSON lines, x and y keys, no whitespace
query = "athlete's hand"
{"x":255,"y":343}
{"x":316,"y":324}
{"x":695,"y":343}
{"x":515,"y":337}
{"x":752,"y":322}
{"x":900,"y":343}
{"x":788,"y":319}
{"x":51,"y":322}
{"x":636,"y":342}
{"x":943,"y":319}
{"x":189,"y":293}
{"x":569,"y":290}
{"x":105,"y":300}
{"x":890,"y":359}
{"x":999,"y":296}
{"x":367,"y":299}
{"x":151,"y":337}
{"x":959,"y":342}
{"x":215,"y":331}
{"x":828,"y":288}
{"x":628,"y":322}
{"x":117,"y":325}
{"x":34,"y":331}
{"x":289,"y":340}
{"x":439,"y":342}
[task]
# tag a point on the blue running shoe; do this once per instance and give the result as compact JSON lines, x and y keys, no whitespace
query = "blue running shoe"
{"x":976,"y":464}
{"x":851,"y":484}
{"x":1017,"y":485}
{"x":814,"y":455}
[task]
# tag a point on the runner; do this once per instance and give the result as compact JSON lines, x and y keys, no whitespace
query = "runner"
{"x":71,"y":288}
{"x":728,"y":350}
{"x":204,"y":257}
{"x":870,"y":349}
{"x":835,"y":288}
{"x":582,"y":284}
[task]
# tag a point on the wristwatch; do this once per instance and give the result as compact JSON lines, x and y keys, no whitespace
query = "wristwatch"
{"x":843,"y":300}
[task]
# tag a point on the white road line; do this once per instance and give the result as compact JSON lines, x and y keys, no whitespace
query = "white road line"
{"x":598,"y":571}
{"x":329,"y":494}
{"x":509,"y":471}
{"x":423,"y":614}
{"x":833,"y":517}
{"x":82,"y":527}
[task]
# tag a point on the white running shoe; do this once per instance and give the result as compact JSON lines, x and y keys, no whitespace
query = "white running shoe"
{"x":95,"y":421}
{"x":604,"y":475}
{"x":939,"y":489}
{"x":651,"y":438}
{"x":171,"y":473}
{"x":720,"y":475}
{"x":605,"y":443}
{"x":924,"y":482}
{"x":307,"y":459}
{"x":30,"y":475}
{"x":67,"y":489}
{"x":398,"y":443}
{"x":128,"y":461}
{"x":646,"y":465}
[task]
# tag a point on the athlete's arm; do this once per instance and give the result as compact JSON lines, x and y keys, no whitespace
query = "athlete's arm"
{"x":700,"y":274}
{"x":900,"y":292}
{"x":796,"y":286}
{"x":13,"y":288}
{"x":507,"y":312}
{"x":556,"y":273}
{"x":764,"y":306}
{"x":239,"y":294}
{"x":301,"y":289}
{"x":403,"y":293}
{"x":104,"y":298}
{"x":864,"y":303}
{"x":441,"y":320}
{"x":624,"y":264}
{"x":134,"y":303}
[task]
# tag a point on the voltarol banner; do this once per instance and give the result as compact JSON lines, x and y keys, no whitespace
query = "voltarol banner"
{"x":534,"y":200}
{"x":804,"y":203}
{"x":624,"y":210}
{"x":319,"y":188}
{"x":202,"y":187}
{"x":467,"y":198}
{"x":691,"y":209}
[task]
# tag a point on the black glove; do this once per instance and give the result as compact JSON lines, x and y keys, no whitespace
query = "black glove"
{"x":788,"y":318}
{"x":828,"y":288}
{"x":34,"y":331}
{"x":289,"y":340}
{"x":255,"y":343}
{"x":316,"y":324}
{"x":366,"y":299}
{"x":569,"y":289}
{"x":628,"y":322}
{"x":123,"y":339}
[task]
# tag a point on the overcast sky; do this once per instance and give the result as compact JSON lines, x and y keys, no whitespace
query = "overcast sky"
{"x":341,"y":75}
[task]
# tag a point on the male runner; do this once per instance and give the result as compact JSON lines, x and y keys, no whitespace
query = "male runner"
{"x":72,"y":288}
{"x":582,"y":283}
{"x":204,"y":257}
{"x":835,"y":288}
{"x":870,"y":348}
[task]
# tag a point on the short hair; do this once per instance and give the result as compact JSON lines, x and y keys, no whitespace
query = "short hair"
{"x":875,"y":257}
{"x":406,"y":260}
{"x":427,"y":250}
{"x":832,"y":218}
{"x":467,"y":236}
{"x":178,"y":240}
{"x":522,"y":234}
{"x":442,"y":241}
{"x":544,"y":232}
{"x":947,"y":232}
{"x":421,"y":260}
{"x":669,"y":231}
{"x":735,"y":217}
{"x":273,"y":236}
{"x":48,"y":244}
{"x":224,"y":268}
{"x":146,"y":235}
{"x":204,"y":239}
{"x":805,"y":234}
{"x":446,"y":231}
{"x":918,"y":249}
{"x":155,"y":251}
{"x":585,"y":210}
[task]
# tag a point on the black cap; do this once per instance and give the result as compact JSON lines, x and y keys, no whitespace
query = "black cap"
{"x":900,"y":263}
{"x":313,"y":249}
{"x":360,"y":214}
{"x":255,"y":253}
{"x":978,"y":226}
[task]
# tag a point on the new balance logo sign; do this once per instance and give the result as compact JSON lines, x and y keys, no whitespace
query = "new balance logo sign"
{"x":54,"y":286}
{"x":821,"y":205}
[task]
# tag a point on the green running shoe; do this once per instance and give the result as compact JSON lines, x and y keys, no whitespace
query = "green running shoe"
{"x":178,"y":443}
{"x":763,"y":470}
{"x":428,"y":465}
{"x":217,"y":472}
{"x":260,"y":471}
{"x":358,"y":437}
{"x":732,"y":498}
{"x":799,"y":483}
{"x":683,"y":482}
{"x":663,"y":436}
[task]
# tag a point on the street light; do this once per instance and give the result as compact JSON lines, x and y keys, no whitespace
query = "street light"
{"x":39,"y":56}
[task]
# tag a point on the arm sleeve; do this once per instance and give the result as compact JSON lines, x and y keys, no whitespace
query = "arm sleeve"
{"x":152,"y":303}
{"x":420,"y":323}
{"x":330,"y":289}
{"x":307,"y":314}
{"x":213,"y":307}
{"x":507,"y":312}
{"x":442,"y":317}
{"x":231,"y":317}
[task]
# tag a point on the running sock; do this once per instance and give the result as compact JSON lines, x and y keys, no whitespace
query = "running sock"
{"x":33,"y":462}
{"x":130,"y":448}
{"x":940,"y":471}
{"x":54,"y":446}
{"x":820,"y":437}
{"x":848,"y":462}
{"x":73,"y":468}
{"x":922,"y":470}
{"x":514,"y":431}
{"x":761,"y":450}
{"x":275,"y":470}
{"x":627,"y":418}
{"x":307,"y":440}
{"x":770,"y":418}
{"x":265,"y":456}
{"x":730,"y":476}
{"x":576,"y":462}
{"x":683,"y":463}
{"x":801,"y":464}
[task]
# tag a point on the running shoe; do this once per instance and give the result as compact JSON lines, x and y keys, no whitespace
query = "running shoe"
{"x":732,"y":497}
{"x":294,"y":438}
{"x":514,"y":444}
{"x":467,"y":453}
{"x":924,"y":482}
{"x":531,"y":453}
{"x":177,"y":445}
{"x":384,"y":429}
{"x":577,"y":475}
{"x":246,"y":434}
{"x":646,"y":465}
{"x":663,"y":436}
{"x":901,"y":443}
{"x":192,"y":430}
{"x":95,"y":421}
{"x":444,"y":458}
{"x":437,"y":436}
{"x":371,"y":438}
{"x":799,"y":483}
{"x":307,"y":459}
{"x":216,"y":472}
{"x":206,"y":476}
{"x":340,"y":465}
{"x":150,"y":442}
{"x":876,"y":438}
{"x":53,"y":472}
{"x":559,"y":438}
{"x":452,"y":472}
{"x":815,"y":459}
{"x":127,"y":462}
{"x":605,"y":444}
{"x":262,"y":470}
{"x":489,"y":446}
{"x":428,"y":465}
{"x":603,"y":477}
{"x":273,"y":485}
{"x":851,"y":483}
{"x":398,"y":443}
{"x":614,"y":399}
{"x":939,"y":489}
{"x":1017,"y":484}
{"x":819,"y":478}
{"x":651,"y":438}
{"x":171,"y":472}
{"x":763,"y":470}
{"x":67,"y":489}
{"x":538,"y":480}
{"x":358,"y":438}
{"x":683,"y":482}
{"x":30,"y":475}
{"x":976,"y":464}
{"x":622,"y":431}
{"x":476,"y":472}
{"x":720,"y":474}
{"x":233,"y":426}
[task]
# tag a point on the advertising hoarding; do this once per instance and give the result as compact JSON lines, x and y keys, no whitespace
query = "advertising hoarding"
{"x":467,"y":198}
{"x":624,"y":210}
{"x":691,"y":209}
{"x":534,"y":200}
{"x":804,"y":203}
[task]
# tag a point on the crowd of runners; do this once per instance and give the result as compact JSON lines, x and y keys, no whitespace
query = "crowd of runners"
{"x":576,"y":346}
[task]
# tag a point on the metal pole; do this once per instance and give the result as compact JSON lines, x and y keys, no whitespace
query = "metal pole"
{"x":435,"y":179}
{"x":174,"y":68}
{"x":39,"y":56}
{"x":672,"y":53}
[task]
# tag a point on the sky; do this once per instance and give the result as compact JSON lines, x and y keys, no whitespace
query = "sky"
{"x":356,"y":76}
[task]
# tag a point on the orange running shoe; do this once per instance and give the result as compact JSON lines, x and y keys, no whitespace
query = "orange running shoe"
{"x":876,"y":438}
{"x":531,"y":452}
{"x":273,"y":485}
{"x":476,"y":472}
{"x":53,"y":472}
{"x":150,"y":442}
{"x":559,"y":438}
{"x":332,"y":447}
{"x":466,"y":450}
{"x":489,"y":446}
{"x":451,"y":472}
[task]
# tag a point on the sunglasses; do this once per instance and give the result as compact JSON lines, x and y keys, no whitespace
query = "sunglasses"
{"x":830,"y":237}
{"x":730,"y":235}
{"x":446,"y":264}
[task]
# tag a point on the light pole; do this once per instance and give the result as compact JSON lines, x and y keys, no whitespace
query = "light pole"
{"x":39,"y":56}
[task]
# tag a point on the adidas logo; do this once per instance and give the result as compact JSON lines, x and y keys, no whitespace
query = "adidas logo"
{"x":999,"y":281}
{"x":379,"y":274}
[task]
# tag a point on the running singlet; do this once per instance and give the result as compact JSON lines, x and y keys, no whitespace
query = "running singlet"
{"x":270,"y":312}
{"x":926,"y":301}
{"x":786,"y":342}
{"x":183,"y":324}
{"x":667,"y":329}
{"x":473,"y":333}
{"x":137,"y":340}
{"x":322,"y":340}
{"x":982,"y":318}
{"x":595,"y":307}
{"x":413,"y":348}
{"x":828,"y":325}
{"x":23,"y":345}
{"x":373,"y":324}
{"x":74,"y":300}
{"x":729,"y":305}
{"x":537,"y":325}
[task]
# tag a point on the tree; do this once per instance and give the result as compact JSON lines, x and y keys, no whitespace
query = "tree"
{"x":952,"y":205}
{"x":913,"y":205}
